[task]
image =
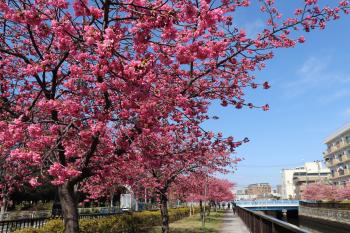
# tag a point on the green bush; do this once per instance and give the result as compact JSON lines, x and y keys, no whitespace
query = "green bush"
{"x":136,"y":222}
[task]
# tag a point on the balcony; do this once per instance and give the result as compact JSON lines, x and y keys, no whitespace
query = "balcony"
{"x":342,"y":159}
{"x":336,"y":148}
{"x":345,"y":158}
{"x":333,"y":162}
{"x":345,"y":172}
{"x":329,"y":163}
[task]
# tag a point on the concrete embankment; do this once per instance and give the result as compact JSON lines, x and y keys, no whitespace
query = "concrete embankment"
{"x":328,"y":214}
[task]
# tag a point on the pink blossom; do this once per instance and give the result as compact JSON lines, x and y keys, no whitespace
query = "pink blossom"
{"x":266,"y":85}
{"x":81,"y":7}
{"x":311,"y":2}
{"x":34,"y":182}
{"x":301,"y":39}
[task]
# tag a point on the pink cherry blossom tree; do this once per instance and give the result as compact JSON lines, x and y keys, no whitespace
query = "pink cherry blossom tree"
{"x":199,"y":187}
{"x":326,"y":192}
{"x":320,"y":191}
{"x":343,"y":192}
{"x":166,"y":157}
{"x":84,"y":84}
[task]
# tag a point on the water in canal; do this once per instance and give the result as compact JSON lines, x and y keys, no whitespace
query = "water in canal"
{"x":310,"y":225}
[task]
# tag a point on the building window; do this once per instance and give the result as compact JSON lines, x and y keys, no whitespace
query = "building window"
{"x":347,"y":139}
{"x":340,"y":157}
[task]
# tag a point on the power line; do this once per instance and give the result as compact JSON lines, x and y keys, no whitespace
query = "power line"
{"x":274,"y":165}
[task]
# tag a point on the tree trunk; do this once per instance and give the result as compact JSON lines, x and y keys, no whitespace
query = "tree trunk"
{"x":191,"y":209}
{"x":3,"y":208}
{"x":136,"y":203}
{"x":202,"y":211}
{"x":111,"y":200}
{"x":209,"y":209}
{"x":164,"y":212}
{"x":69,"y":208}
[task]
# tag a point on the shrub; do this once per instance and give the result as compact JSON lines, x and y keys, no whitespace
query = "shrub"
{"x":133,"y":222}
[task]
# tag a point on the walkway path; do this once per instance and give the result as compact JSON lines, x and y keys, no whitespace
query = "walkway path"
{"x":233,"y":224}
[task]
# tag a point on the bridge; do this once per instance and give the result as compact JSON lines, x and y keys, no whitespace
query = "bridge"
{"x":264,"y":205}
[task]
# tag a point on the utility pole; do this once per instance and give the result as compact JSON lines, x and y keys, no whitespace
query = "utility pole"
{"x":318,"y":168}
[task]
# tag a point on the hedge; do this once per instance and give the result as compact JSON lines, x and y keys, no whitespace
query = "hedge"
{"x":133,"y":222}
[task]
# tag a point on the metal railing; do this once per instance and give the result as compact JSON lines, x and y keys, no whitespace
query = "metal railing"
{"x":13,"y":225}
{"x":326,"y":205}
{"x":260,"y":223}
{"x":267,"y":203}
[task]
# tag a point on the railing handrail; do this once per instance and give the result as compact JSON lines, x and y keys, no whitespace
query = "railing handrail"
{"x":58,"y":217}
{"x":281,"y":223}
{"x":326,"y":205}
{"x":28,"y":219}
{"x":268,"y":203}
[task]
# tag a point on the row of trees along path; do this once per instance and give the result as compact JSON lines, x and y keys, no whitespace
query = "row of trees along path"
{"x":117,"y":90}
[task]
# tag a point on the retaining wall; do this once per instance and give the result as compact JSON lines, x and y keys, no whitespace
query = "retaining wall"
{"x":339,"y":215}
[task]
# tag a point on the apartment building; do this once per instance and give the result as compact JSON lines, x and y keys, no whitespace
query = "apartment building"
{"x":288,"y":187}
{"x":279,"y":189}
{"x":311,"y":172}
{"x":337,"y":155}
{"x":294,"y":178}
{"x":261,"y":190}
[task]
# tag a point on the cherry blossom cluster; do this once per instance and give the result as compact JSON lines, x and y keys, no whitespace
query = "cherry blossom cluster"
{"x":328,"y":192}
{"x":203,"y":187}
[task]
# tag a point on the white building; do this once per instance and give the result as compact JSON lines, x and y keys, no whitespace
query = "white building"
{"x":245,"y":197}
{"x":337,"y":155}
{"x":311,"y":171}
{"x":241,"y":195}
{"x":288,"y":188}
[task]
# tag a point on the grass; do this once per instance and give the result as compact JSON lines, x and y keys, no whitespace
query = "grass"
{"x":194,"y":225}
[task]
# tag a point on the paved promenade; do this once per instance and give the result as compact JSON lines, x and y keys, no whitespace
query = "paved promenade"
{"x":233,"y":224}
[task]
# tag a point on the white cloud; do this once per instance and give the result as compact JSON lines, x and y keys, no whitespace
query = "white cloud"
{"x":317,"y":72}
{"x":314,"y":65}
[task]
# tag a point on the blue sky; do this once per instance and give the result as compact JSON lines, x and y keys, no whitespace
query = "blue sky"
{"x":309,"y":100}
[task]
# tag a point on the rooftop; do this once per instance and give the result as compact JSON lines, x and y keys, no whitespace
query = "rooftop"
{"x":337,"y":133}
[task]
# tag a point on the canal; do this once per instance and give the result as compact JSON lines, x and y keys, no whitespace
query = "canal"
{"x":309,"y":224}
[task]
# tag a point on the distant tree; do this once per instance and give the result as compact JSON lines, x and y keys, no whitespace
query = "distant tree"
{"x":320,"y":191}
{"x":343,"y":192}
{"x":200,"y":187}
